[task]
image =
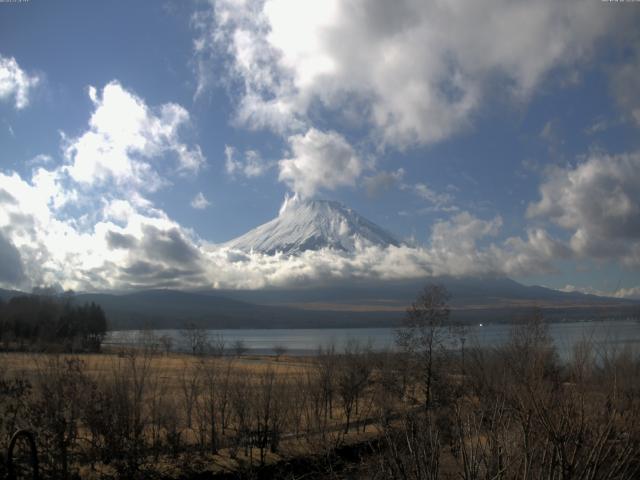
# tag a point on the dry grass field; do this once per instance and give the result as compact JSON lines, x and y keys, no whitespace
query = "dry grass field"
{"x":168,"y":367}
{"x":194,"y":413}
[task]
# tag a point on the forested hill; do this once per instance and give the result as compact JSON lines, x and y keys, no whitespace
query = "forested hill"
{"x":343,"y":305}
{"x":41,"y":321}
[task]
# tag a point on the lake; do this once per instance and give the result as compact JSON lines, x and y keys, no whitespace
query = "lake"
{"x":611,"y":333}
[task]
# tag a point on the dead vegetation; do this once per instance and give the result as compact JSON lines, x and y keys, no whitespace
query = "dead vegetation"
{"x":426,"y":412}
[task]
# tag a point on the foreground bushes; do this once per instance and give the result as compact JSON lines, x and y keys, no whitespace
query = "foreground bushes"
{"x":516,"y":412}
{"x":509,"y":412}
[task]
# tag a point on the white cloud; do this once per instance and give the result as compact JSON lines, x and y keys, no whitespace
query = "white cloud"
{"x":126,"y":139}
{"x":129,"y":243}
{"x":456,"y":247}
{"x":538,"y":252}
{"x":199,"y":202}
{"x":440,"y":202}
{"x":124,"y":243}
{"x":15,"y":83}
{"x":319,"y":160}
{"x":598,"y":202}
{"x":631,"y":292}
{"x":251,"y":166}
{"x":64,"y":236}
{"x":419,"y":68}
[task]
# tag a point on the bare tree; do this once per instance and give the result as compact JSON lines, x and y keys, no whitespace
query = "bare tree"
{"x":327,"y":365}
{"x":167,"y":343}
{"x":190,"y":385}
{"x":58,"y":380}
{"x":217,"y":345}
{"x":423,"y":333}
{"x":196,"y":338}
{"x":267,"y":413}
{"x":239,"y":347}
{"x":410,"y":452}
{"x":279,"y":350}
{"x":353,"y":377}
{"x":209,"y":402}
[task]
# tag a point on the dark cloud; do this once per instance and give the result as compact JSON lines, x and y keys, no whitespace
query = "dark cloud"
{"x":140,"y":268}
{"x":168,"y":247}
{"x":11,"y":269}
{"x":158,"y":275}
{"x":117,"y":240}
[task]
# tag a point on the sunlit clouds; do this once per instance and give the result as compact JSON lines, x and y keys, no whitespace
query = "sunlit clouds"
{"x":126,"y":138}
{"x":16,"y":85}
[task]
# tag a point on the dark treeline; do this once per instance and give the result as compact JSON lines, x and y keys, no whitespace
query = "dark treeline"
{"x":42,"y":321}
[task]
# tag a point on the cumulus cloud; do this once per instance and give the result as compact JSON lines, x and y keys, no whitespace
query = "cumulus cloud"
{"x":319,"y":160}
{"x":598,"y":202}
{"x":251,"y":166}
{"x":123,"y":244}
{"x":538,"y":252}
{"x":64,"y":236}
{"x":15,"y":84}
{"x":413,"y":81}
{"x":30,"y":223}
{"x":631,"y":292}
{"x":125,"y":140}
{"x":200,"y":202}
{"x":129,"y":243}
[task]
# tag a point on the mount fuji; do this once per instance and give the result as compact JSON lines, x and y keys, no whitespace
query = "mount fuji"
{"x":304,"y":224}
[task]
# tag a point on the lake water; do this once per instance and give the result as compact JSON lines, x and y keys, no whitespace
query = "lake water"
{"x":613,"y":333}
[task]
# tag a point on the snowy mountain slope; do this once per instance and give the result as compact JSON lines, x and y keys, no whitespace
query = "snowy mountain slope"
{"x":311,"y":225}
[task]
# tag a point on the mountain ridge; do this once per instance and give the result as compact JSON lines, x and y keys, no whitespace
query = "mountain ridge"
{"x":361,"y":305}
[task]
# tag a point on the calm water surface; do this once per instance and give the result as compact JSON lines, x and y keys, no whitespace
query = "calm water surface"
{"x":618,"y":334}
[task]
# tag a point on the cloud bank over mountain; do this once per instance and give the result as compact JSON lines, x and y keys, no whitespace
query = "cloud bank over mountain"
{"x":129,"y":243}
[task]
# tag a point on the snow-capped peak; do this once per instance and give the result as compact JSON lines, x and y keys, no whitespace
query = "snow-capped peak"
{"x":305,"y":224}
{"x":289,"y":201}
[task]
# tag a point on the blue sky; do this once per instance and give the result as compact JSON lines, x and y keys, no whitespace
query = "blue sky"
{"x":135,"y":137}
